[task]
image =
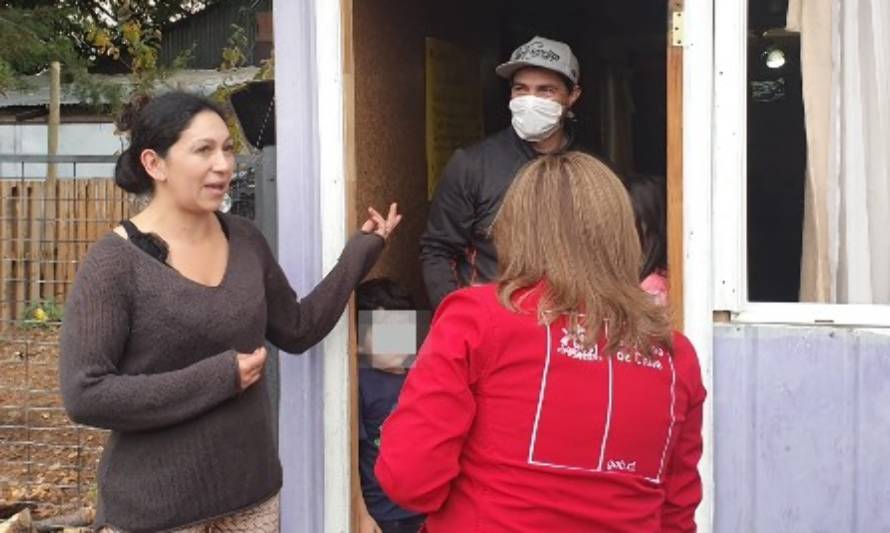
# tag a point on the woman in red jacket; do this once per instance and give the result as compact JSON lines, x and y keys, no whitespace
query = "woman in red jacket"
{"x":558,"y":399}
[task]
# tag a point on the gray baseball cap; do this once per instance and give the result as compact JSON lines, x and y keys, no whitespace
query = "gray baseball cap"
{"x":542,"y":53}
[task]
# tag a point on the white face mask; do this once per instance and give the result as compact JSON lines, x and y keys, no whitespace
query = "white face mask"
{"x":535,"y":118}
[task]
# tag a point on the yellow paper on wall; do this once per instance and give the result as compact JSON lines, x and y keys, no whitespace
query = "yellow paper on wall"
{"x":453,"y":104}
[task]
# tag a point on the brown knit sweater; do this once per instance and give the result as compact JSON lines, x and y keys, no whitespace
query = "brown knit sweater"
{"x":150,"y":355}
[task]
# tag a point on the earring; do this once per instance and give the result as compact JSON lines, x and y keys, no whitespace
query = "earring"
{"x":226,"y":203}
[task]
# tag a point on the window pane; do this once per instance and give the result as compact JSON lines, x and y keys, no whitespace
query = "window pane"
{"x":776,"y":155}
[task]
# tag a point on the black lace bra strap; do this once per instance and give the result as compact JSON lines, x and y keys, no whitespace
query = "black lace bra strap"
{"x":149,"y":243}
{"x":131,"y":229}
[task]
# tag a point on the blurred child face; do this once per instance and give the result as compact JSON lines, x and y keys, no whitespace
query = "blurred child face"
{"x":386,"y":338}
{"x":390,"y":361}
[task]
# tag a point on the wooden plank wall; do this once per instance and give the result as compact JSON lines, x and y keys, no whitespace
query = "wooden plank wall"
{"x":44,"y":231}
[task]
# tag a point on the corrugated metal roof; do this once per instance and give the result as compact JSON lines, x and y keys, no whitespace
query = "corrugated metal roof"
{"x":197,"y":81}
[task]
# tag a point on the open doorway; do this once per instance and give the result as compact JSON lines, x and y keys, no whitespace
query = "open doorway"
{"x":621,"y":116}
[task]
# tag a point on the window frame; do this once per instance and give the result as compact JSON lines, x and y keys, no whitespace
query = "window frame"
{"x":729,"y":194}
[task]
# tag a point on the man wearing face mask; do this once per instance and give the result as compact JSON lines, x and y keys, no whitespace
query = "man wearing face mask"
{"x":456,"y":250}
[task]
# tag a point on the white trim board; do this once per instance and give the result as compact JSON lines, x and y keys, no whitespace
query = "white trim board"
{"x":332,"y":176}
{"x":809,"y":314}
{"x":698,"y":94}
{"x":730,"y":123}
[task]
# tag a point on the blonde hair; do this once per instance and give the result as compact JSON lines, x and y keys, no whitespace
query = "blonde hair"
{"x":567,"y":220}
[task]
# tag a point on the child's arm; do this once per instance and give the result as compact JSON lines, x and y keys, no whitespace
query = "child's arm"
{"x":366,"y":523}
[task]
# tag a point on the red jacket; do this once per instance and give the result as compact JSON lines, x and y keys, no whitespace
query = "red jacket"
{"x":501,"y":427}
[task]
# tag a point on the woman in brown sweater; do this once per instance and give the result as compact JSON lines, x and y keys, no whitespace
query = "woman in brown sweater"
{"x":163,"y":336}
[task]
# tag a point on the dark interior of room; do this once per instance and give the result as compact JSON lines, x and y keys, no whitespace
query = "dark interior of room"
{"x":621,"y":47}
{"x":776,"y":155}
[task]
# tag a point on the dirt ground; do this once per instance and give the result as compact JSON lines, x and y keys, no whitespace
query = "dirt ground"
{"x":44,"y":458}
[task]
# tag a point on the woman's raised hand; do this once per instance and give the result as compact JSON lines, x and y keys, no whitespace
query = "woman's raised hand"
{"x":377,"y":224}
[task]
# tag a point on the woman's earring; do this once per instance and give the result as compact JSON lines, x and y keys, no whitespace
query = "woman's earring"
{"x":226,"y":203}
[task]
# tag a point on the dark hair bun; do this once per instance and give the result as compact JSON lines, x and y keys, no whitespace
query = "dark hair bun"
{"x":129,"y":114}
{"x":130,"y":175}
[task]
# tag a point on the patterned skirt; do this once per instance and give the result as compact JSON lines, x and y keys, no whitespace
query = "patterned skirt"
{"x":261,"y":518}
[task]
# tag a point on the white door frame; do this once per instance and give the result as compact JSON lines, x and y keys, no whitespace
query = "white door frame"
{"x":698,"y":129}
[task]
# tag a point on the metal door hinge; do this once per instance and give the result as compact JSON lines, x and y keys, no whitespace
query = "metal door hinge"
{"x":677,"y":28}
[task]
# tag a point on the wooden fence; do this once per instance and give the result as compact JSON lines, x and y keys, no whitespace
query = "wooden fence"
{"x":44,"y":232}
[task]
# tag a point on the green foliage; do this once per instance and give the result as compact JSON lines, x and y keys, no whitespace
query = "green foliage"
{"x":32,"y":38}
{"x":222,"y":96}
{"x":79,"y":33}
{"x":234,"y":54}
{"x":42,"y":314}
{"x":82,"y":33}
{"x":267,"y":68}
{"x":8,"y":78}
{"x":136,"y":46}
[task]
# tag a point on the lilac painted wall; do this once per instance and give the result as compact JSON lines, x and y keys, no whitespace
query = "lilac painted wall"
{"x":301,"y":430}
{"x":802,"y":436}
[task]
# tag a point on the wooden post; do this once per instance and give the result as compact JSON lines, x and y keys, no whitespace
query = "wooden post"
{"x":32,"y":250}
{"x":21,"y":235}
{"x":63,"y":244}
{"x":52,"y":136}
{"x":351,"y":225}
{"x":675,"y":159}
{"x":6,"y":236}
{"x":47,"y":251}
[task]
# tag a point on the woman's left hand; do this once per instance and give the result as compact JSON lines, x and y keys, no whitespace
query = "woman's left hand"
{"x":376,"y":224}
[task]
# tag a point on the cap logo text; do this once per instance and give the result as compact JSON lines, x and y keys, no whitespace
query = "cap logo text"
{"x":535,"y":49}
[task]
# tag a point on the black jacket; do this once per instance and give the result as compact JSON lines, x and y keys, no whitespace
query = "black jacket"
{"x":455,"y":249}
